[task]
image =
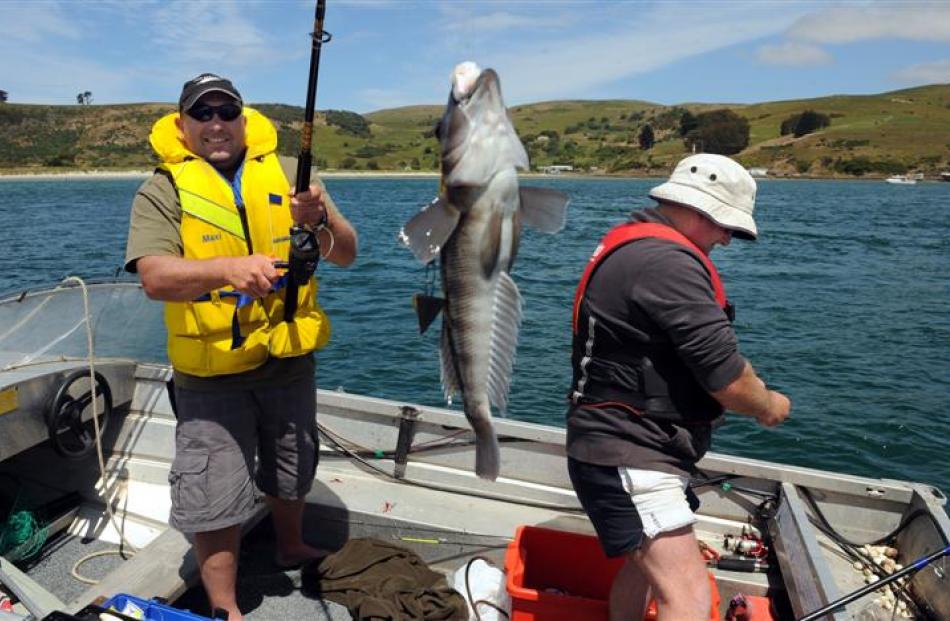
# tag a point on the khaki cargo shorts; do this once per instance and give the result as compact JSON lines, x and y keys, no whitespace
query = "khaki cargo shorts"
{"x":230,"y":444}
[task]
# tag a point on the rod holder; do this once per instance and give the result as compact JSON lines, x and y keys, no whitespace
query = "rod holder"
{"x":407,"y":431}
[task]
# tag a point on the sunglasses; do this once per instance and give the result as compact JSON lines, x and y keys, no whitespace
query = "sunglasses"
{"x":204,"y":113}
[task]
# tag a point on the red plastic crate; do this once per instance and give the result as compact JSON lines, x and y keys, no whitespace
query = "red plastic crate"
{"x":555,"y":575}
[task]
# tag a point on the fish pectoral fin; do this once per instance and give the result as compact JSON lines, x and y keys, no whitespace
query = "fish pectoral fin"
{"x":427,"y":309}
{"x":506,"y":321}
{"x":543,"y":208}
{"x":427,"y":231}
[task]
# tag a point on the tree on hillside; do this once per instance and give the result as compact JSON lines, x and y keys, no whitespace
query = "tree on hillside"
{"x":719,"y":131}
{"x":647,"y":138}
{"x":687,"y":123}
{"x":553,"y":144}
{"x":804,"y":123}
{"x":3,"y":96}
{"x":84,"y":98}
{"x":349,"y":122}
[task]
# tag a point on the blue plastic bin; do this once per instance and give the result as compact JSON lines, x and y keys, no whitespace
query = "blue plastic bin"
{"x":154,"y":611}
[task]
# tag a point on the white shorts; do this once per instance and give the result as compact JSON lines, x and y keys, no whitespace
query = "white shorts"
{"x":660,"y":499}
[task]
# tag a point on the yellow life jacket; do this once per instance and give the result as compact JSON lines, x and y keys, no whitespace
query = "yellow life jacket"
{"x":224,"y":333}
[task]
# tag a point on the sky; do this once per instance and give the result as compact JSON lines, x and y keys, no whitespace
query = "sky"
{"x":391,"y":53}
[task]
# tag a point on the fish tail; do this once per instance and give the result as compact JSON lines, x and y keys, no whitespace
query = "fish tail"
{"x":487,"y":454}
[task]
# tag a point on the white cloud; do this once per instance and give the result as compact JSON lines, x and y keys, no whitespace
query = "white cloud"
{"x":55,"y":79}
{"x":793,"y":54}
{"x":458,"y":19}
{"x":171,"y":42}
{"x":646,"y":38}
{"x":205,"y":33}
{"x":937,"y":72}
{"x":913,"y":21}
{"x":35,"y":21}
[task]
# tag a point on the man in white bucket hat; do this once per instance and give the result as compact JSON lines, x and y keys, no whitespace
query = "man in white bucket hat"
{"x":655,"y":365}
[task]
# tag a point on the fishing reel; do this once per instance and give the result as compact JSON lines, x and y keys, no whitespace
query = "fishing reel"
{"x":304,"y":255}
{"x":747,"y":544}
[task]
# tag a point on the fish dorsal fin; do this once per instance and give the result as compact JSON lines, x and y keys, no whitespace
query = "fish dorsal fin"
{"x":427,"y":231}
{"x":450,"y":377}
{"x":506,"y":321}
{"x":543,"y":208}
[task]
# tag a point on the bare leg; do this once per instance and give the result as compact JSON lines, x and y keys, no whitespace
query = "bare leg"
{"x":288,"y":527}
{"x":629,"y":593}
{"x":217,"y":554}
{"x":678,"y":575}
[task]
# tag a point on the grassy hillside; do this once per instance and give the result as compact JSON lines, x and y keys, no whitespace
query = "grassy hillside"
{"x":900,"y":131}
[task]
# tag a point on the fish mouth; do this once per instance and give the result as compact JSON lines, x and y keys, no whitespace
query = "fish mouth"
{"x":470,"y":108}
{"x":476,"y":136}
{"x":487,"y":81}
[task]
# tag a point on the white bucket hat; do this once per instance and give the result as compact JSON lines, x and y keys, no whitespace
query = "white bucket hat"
{"x":716,"y":186}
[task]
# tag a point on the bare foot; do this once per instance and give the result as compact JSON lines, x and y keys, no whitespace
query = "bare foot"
{"x":298,"y":555}
{"x":233,"y":613}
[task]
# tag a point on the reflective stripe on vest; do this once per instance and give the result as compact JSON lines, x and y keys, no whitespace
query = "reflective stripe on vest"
{"x":214,"y":214}
{"x":632,"y":231}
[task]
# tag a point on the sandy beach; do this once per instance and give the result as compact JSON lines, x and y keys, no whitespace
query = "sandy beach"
{"x":75,"y":175}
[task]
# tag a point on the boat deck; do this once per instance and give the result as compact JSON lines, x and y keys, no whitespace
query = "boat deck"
{"x":426,"y":499}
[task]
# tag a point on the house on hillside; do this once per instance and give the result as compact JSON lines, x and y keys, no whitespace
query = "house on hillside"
{"x":557,"y":169}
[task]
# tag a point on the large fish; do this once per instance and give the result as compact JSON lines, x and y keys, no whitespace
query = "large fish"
{"x":473,"y":227}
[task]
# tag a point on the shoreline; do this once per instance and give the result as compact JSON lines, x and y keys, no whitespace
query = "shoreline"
{"x":78,"y":175}
{"x":75,"y":175}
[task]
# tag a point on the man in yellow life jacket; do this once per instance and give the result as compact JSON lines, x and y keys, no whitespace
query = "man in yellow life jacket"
{"x":205,"y":232}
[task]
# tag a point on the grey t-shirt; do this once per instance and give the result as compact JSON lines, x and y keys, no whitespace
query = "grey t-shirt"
{"x":155,"y":230}
{"x":655,"y":287}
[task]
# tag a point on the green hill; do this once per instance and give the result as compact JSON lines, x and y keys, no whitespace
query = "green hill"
{"x":895,"y":132}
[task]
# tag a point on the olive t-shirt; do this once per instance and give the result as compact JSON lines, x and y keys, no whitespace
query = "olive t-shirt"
{"x":155,"y":230}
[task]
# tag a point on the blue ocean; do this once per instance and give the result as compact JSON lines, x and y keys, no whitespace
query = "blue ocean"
{"x":843,"y":303}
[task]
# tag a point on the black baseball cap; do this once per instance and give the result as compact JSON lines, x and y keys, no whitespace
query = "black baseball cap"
{"x":203,"y":84}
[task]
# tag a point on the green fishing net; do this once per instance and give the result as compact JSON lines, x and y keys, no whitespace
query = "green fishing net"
{"x":21,"y":535}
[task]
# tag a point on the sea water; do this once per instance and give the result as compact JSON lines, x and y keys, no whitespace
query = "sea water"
{"x":843,"y":304}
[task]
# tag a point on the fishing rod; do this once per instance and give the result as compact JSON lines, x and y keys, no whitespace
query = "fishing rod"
{"x":304,"y":246}
{"x":897,"y":575}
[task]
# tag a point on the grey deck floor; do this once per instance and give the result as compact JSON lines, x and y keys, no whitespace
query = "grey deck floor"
{"x":265,"y":592}
{"x":51,"y":569}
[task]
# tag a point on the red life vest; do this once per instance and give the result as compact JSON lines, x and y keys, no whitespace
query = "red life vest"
{"x":646,"y":378}
{"x":632,"y":231}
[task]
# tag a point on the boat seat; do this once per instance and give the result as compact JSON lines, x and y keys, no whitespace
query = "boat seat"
{"x":808,"y":579}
